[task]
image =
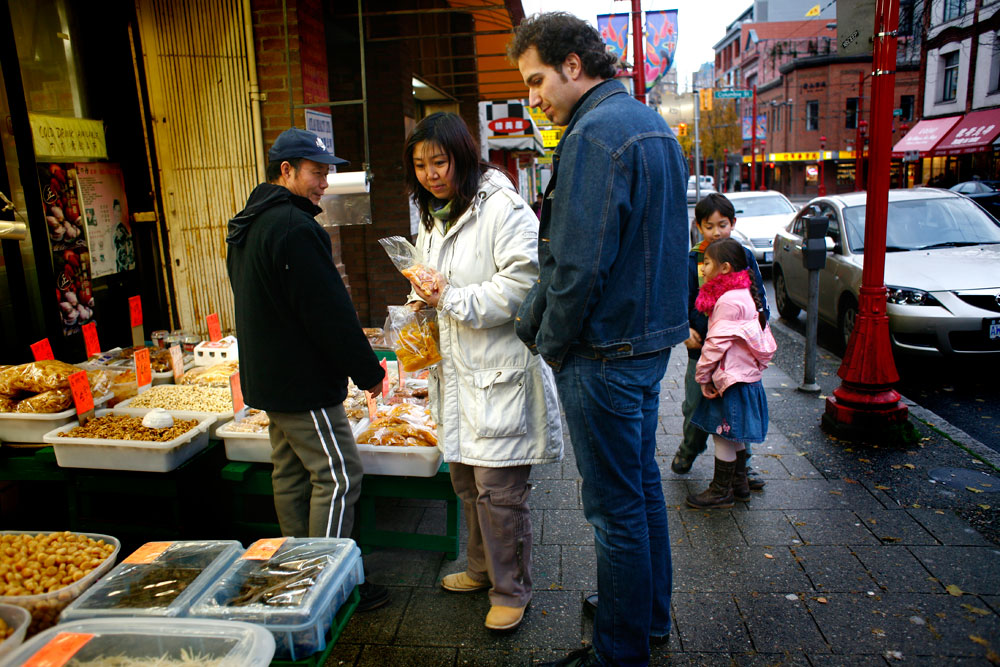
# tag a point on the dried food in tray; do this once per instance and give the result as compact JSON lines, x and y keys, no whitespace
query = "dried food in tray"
{"x":292,"y":586}
{"x":47,"y":571}
{"x":401,"y":425}
{"x":127,"y":427}
{"x":159,"y":579}
{"x":155,"y":642}
{"x":14,"y":623}
{"x":211,"y":376}
{"x":189,"y":398}
{"x":21,"y":427}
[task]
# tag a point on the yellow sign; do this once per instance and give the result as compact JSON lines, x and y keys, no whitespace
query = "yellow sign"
{"x":538,"y":116}
{"x":67,"y":138}
{"x":550,"y":138}
{"x":813,"y":12}
{"x":545,"y":159}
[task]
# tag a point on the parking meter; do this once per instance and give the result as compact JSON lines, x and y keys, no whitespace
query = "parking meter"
{"x":814,"y":243}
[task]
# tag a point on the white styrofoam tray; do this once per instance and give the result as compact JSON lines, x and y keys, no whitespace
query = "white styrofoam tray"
{"x":45,"y":607}
{"x":256,"y":447}
{"x":30,"y":428}
{"x":138,"y":455}
{"x":220,"y":417}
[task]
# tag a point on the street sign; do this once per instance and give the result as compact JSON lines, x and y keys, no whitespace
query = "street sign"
{"x":732,"y":93}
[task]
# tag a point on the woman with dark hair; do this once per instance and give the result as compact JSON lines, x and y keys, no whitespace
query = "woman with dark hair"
{"x":494,"y":402}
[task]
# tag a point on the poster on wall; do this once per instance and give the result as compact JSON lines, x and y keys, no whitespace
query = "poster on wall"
{"x":102,"y":201}
{"x":68,"y":243}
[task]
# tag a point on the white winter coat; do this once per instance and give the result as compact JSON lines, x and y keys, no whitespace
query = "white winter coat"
{"x":494,"y":402}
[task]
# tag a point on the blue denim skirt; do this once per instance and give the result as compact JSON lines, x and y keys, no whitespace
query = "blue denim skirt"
{"x":740,"y":414}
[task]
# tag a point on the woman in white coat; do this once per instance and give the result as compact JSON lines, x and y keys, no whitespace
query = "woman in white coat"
{"x":494,"y":402}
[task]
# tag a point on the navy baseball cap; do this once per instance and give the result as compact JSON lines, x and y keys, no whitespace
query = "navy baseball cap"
{"x":296,"y":143}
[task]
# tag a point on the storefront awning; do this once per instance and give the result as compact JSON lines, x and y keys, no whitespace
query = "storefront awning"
{"x":924,"y":136}
{"x":508,"y":126}
{"x":974,"y":133}
{"x":494,"y":24}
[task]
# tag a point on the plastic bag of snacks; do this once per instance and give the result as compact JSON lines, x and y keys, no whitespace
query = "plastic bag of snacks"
{"x":47,"y":402}
{"x":36,"y":377}
{"x":211,"y":376}
{"x":413,"y":336}
{"x":402,"y":425}
{"x":405,"y":256}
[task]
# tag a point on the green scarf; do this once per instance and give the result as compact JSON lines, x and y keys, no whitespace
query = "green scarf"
{"x":442,"y":215}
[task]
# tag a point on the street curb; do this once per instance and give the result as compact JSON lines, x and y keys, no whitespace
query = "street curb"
{"x":928,"y":418}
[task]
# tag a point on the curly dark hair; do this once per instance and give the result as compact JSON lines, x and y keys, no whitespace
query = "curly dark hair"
{"x":555,"y":35}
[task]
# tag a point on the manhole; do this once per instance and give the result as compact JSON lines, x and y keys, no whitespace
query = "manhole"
{"x":961,"y":478}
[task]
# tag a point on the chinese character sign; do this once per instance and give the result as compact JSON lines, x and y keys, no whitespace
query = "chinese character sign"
{"x":109,"y":232}
{"x":614,"y":29}
{"x":661,"y":42}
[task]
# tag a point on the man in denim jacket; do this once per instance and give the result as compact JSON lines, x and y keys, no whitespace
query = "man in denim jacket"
{"x":609,"y":303}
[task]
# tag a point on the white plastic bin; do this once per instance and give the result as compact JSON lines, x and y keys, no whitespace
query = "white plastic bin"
{"x":256,"y":447}
{"x":164,"y":580}
{"x":45,"y":607}
{"x":220,"y":418}
{"x":31,"y":428}
{"x":223,"y":642}
{"x":400,"y":461}
{"x":325,"y":569}
{"x":138,"y":455}
{"x":17,"y":619}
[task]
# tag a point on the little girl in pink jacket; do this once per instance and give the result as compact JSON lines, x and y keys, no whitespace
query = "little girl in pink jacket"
{"x":736,"y":351}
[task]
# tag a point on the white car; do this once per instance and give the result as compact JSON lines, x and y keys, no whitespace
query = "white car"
{"x":706,"y":185}
{"x":759,"y":217}
{"x":942,"y":270}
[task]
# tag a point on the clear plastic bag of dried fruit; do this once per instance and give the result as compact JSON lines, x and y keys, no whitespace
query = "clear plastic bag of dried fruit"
{"x":47,"y":402}
{"x":36,"y":377}
{"x":406,"y":258}
{"x":413,"y":336}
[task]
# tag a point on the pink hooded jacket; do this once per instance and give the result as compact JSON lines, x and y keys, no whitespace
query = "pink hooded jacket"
{"x":735,"y":348}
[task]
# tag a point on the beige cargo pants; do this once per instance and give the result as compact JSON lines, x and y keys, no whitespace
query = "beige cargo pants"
{"x":317,"y":472}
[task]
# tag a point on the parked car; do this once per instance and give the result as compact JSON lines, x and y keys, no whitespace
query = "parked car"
{"x":984,"y":193}
{"x":759,"y":217}
{"x":707,"y":185}
{"x":942,"y":270}
{"x":972,"y":188}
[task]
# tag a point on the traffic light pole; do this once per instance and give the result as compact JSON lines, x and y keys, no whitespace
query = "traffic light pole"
{"x":753,"y":140}
{"x":639,"y":66}
{"x":697,"y":147}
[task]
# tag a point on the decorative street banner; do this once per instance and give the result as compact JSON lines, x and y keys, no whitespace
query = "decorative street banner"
{"x":55,"y":137}
{"x":614,"y":29}
{"x":761,"y":127}
{"x":68,"y":243}
{"x":661,"y":42}
{"x":102,"y":200}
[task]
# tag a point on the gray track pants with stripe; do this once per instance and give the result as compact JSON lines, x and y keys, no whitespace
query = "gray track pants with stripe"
{"x":317,"y":472}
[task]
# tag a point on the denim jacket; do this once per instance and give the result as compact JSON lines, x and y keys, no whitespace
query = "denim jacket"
{"x":613,"y":237}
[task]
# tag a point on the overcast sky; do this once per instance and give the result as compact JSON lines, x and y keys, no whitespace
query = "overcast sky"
{"x":700,"y":23}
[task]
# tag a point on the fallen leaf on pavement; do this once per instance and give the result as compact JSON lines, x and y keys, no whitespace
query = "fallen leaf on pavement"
{"x":769,"y":556}
{"x":836,"y":493}
{"x":896,"y":467}
{"x":976,"y":610}
{"x":979,"y":640}
{"x":882,"y":487}
{"x":878,"y":632}
{"x":848,"y":480}
{"x":821,"y":600}
{"x":974,"y":489}
{"x":954,"y":590}
{"x":910,"y":466}
{"x":887,"y":538}
{"x":984,"y":507}
{"x":865,"y":460}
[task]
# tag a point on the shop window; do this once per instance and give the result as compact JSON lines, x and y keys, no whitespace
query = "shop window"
{"x":906,"y":103}
{"x":994,"y":86}
{"x":851,"y":113}
{"x":812,"y":115}
{"x":953,"y":9}
{"x":949,"y":78}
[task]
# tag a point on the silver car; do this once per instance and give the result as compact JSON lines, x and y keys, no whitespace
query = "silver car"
{"x":759,"y":216}
{"x":942,"y":270}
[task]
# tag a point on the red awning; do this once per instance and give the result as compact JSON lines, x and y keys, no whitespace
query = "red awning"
{"x":924,"y":136}
{"x":975,"y":133}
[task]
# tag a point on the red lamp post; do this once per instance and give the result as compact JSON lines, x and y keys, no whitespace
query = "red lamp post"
{"x":865,"y":406}
{"x":763,"y":164}
{"x":639,"y":67}
{"x":821,"y":191}
{"x":859,"y":152}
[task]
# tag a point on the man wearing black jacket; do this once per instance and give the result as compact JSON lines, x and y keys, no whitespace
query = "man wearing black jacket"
{"x":300,"y":339}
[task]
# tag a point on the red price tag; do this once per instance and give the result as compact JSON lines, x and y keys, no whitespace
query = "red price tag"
{"x":371,"y":405}
{"x":42,"y":350}
{"x":177,"y":361}
{"x":234,"y":385}
{"x":59,"y":650}
{"x":143,"y":371}
{"x":90,"y":342}
{"x":135,"y":311}
{"x":385,"y":379}
{"x":79,"y":386}
{"x":214,"y":328}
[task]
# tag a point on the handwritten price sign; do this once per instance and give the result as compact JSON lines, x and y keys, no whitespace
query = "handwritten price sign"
{"x":234,"y":386}
{"x":90,"y":341}
{"x":135,"y":317}
{"x":83,"y":399}
{"x":42,"y":350}
{"x":177,"y":361}
{"x":143,"y":371}
{"x":214,"y":328}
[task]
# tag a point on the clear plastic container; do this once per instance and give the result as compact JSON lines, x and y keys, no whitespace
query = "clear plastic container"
{"x":175,"y":641}
{"x":139,"y":455}
{"x":400,"y":461}
{"x":45,"y":607}
{"x":293,"y":591}
{"x":17,"y":619}
{"x":30,"y":428}
{"x":158,"y":579}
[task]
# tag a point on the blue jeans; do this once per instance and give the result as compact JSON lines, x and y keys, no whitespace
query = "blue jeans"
{"x":611,"y":408}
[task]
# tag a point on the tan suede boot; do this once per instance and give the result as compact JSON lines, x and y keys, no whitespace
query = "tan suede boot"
{"x":504,"y":618}
{"x":741,"y":485}
{"x":460,"y":582}
{"x":719,"y":494}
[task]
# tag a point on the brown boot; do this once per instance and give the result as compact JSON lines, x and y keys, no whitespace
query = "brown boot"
{"x":741,"y":485}
{"x":719,"y":494}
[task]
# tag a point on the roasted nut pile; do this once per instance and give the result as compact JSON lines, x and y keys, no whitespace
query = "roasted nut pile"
{"x":121,"y":427}
{"x":46,"y":563}
{"x":256,"y":421}
{"x":185,"y":397}
{"x":5,"y":630}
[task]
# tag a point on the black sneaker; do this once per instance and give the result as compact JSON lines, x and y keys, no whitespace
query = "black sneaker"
{"x":681,"y":464}
{"x":583,"y":657}
{"x":373,"y":596}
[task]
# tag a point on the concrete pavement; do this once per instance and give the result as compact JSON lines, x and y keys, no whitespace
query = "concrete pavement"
{"x":851,"y":555}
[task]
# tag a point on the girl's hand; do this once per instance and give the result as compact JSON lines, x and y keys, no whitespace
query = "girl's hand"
{"x":432,"y":297}
{"x":709,"y":391}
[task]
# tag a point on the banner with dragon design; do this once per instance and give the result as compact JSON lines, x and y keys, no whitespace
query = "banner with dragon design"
{"x":661,"y":43}
{"x":614,"y":29}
